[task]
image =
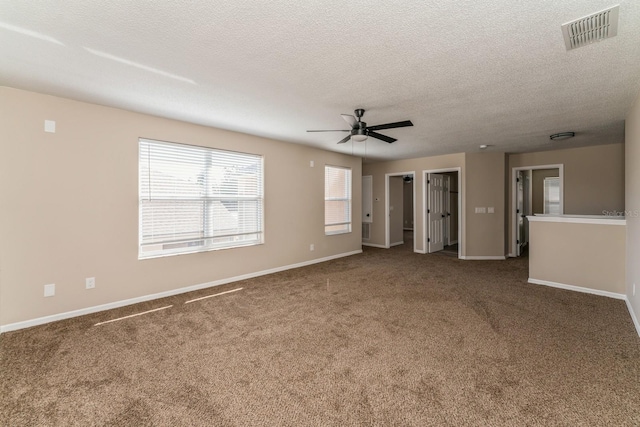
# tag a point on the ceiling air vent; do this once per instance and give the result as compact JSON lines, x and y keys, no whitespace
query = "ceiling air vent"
{"x":592,"y":28}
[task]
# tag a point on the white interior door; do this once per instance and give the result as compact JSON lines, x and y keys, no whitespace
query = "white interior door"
{"x":447,"y":209}
{"x":436,"y":211}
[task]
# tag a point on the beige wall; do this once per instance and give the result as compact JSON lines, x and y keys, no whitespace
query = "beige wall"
{"x":632,"y":200}
{"x":69,"y":206}
{"x":418,"y":165}
{"x":485,"y":188}
{"x":585,"y":255}
{"x":593,"y":179}
{"x":396,"y":208}
{"x":482,"y":176}
{"x":537,"y":188}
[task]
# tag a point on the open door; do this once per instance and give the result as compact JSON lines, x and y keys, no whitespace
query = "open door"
{"x":436,"y":211}
{"x":523,"y":208}
{"x":528,"y":197}
{"x":447,"y":208}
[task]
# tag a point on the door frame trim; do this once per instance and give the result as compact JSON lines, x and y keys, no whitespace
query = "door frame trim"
{"x":514,"y":195}
{"x":425,"y":202}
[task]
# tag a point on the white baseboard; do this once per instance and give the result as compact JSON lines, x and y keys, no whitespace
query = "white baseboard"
{"x":419,"y":251}
{"x":396,"y":244}
{"x":483,"y":258}
{"x":577,"y":288}
{"x":373,"y":245}
{"x":452,"y":242}
{"x":511,"y":255}
{"x":117,"y":304}
{"x":633,"y":316}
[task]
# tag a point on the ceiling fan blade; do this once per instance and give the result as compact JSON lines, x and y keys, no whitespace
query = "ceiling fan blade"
{"x":391,"y":125}
{"x":332,"y":130}
{"x":349,"y":119}
{"x":385,"y":138}
{"x":345,"y":139}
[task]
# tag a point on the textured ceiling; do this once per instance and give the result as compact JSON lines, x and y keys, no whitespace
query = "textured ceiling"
{"x":466,"y":73}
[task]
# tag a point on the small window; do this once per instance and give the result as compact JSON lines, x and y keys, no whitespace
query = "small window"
{"x":552,"y":195}
{"x":195,"y":199}
{"x":337,"y":200}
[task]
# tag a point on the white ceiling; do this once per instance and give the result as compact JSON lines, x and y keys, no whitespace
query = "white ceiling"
{"x":466,"y":73}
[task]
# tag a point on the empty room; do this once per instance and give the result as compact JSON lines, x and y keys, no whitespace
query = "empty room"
{"x":411,"y":213}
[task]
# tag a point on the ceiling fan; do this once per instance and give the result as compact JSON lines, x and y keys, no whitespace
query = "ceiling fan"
{"x":360,"y":131}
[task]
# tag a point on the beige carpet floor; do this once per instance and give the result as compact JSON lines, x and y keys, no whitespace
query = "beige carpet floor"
{"x":385,"y":338}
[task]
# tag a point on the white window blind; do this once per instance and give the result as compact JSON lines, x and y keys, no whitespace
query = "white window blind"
{"x":337,"y":200}
{"x":552,"y":195}
{"x":194,"y":199}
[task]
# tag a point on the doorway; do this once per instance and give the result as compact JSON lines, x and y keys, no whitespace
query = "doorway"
{"x":531,"y":196}
{"x":400,"y":208}
{"x":442,"y":200}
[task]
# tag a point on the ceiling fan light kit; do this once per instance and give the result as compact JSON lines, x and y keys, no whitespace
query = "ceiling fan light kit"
{"x":359,"y":137}
{"x":360,"y":131}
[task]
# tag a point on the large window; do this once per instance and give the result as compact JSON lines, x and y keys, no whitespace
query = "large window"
{"x":337,"y":200}
{"x":194,"y":199}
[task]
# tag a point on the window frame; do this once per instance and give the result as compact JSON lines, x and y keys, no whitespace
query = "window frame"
{"x":348,"y":199}
{"x":210,"y":241}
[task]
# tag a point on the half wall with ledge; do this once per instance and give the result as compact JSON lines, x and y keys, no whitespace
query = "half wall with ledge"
{"x":584,"y":253}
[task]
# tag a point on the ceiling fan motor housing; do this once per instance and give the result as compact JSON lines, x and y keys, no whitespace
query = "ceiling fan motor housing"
{"x":359,"y":130}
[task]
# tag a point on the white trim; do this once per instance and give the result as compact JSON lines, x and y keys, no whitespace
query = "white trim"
{"x":577,"y":288}
{"x":484,"y":258}
{"x":397,"y":243}
{"x":636,"y":323}
{"x":122,"y":303}
{"x":580,"y":219}
{"x":387,"y":238}
{"x":514,"y":196}
{"x":419,"y":251}
{"x":374,"y":245}
{"x":453,"y":242}
{"x":511,"y":255}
